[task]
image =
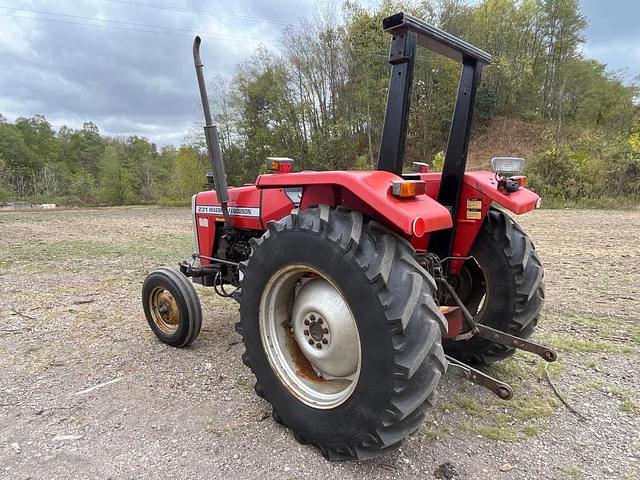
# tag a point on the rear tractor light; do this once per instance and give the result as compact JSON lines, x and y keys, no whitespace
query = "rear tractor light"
{"x":420,"y":167}
{"x":280,"y":164}
{"x":407,"y":188}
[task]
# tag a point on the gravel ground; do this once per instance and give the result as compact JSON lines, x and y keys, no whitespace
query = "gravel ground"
{"x":71,"y":319}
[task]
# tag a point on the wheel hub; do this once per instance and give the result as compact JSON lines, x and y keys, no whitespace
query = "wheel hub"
{"x":316,"y":330}
{"x":325,"y":329}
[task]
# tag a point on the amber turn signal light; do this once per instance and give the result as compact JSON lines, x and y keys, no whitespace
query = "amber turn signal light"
{"x":521,"y":180}
{"x":280,"y":164}
{"x":407,"y":188}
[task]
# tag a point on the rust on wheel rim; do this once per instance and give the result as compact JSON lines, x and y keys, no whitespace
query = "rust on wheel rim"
{"x":164,"y":310}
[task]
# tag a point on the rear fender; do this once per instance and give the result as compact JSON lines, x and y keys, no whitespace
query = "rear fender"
{"x":479,"y":190}
{"x":368,"y":192}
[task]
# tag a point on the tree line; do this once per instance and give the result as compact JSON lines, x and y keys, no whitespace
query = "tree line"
{"x":83,"y":167}
{"x":320,"y":98}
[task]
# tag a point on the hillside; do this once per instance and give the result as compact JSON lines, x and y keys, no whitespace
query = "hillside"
{"x":504,"y":136}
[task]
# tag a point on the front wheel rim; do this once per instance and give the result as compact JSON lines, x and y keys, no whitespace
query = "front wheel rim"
{"x":164,"y":310}
{"x":310,"y":336}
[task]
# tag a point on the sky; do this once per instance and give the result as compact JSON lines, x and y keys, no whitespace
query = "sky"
{"x":126,"y":65}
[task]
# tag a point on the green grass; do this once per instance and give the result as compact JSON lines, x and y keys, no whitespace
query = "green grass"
{"x":470,"y":406}
{"x":629,"y":406}
{"x":606,"y":334}
{"x":434,"y":432}
{"x":501,"y":430}
{"x":162,"y":249}
{"x":516,"y":419}
{"x":571,"y":471}
{"x":572,"y":344}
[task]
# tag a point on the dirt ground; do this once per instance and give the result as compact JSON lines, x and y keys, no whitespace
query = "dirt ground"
{"x":71,"y":319}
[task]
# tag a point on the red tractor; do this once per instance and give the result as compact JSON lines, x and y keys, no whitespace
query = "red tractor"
{"x":358,"y":290}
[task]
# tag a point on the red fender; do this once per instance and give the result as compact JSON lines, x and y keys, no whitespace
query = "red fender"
{"x":479,"y":190}
{"x":367,"y":191}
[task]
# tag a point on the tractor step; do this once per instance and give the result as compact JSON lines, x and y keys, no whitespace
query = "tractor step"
{"x":500,"y":389}
{"x":496,"y":336}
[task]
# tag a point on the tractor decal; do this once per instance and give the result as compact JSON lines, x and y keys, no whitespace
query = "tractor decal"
{"x":233,"y":211}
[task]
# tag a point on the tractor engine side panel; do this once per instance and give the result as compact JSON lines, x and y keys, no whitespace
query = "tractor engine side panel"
{"x":244,"y":207}
{"x":250,"y":209}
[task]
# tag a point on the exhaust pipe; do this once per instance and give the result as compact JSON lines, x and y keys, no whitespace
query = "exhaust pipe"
{"x":213,"y":142}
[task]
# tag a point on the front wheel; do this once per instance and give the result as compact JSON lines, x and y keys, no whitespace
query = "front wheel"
{"x":502,"y":286}
{"x":171,"y":307}
{"x":341,"y":331}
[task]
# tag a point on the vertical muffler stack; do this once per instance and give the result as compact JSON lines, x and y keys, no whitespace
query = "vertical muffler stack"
{"x":213,"y":142}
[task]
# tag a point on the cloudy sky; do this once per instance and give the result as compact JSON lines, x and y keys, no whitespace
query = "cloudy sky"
{"x":126,"y":64}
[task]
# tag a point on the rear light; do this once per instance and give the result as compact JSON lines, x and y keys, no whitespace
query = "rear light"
{"x":507,"y":166}
{"x":420,"y":167}
{"x":280,"y":164}
{"x":418,"y":227}
{"x":407,"y":188}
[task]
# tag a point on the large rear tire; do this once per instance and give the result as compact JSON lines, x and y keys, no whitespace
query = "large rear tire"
{"x":372,"y":390}
{"x":503,"y":287}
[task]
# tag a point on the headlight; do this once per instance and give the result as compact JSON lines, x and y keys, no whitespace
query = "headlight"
{"x":507,"y":166}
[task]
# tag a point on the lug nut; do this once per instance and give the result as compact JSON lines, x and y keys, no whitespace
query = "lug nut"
{"x":306,"y":332}
{"x":312,"y":316}
{"x":325,"y":330}
{"x":325,"y":341}
{"x":318,"y":345}
{"x":306,"y":322}
{"x":319,"y":320}
{"x":310,"y":342}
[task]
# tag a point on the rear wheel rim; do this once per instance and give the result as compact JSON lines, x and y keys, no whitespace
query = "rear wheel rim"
{"x":164,"y":310}
{"x":310,"y":336}
{"x":473,"y":288}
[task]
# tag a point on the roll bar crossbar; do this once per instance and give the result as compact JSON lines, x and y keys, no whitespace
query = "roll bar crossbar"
{"x":435,"y":39}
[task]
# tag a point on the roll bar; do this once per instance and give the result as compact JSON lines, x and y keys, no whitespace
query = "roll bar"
{"x":407,"y":34}
{"x":435,"y":39}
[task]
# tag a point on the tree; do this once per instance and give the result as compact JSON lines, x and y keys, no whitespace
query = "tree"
{"x":190,"y":172}
{"x":115,"y":180}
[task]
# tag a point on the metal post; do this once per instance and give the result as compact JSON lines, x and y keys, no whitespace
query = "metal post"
{"x":455,"y":160}
{"x":402,"y":53}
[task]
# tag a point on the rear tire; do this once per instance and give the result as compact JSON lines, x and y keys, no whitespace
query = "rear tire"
{"x":171,"y":307}
{"x":503,"y":288}
{"x":398,"y":323}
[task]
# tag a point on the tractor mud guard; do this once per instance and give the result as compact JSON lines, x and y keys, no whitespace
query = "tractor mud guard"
{"x":479,"y":191}
{"x":368,"y":192}
{"x":522,"y":201}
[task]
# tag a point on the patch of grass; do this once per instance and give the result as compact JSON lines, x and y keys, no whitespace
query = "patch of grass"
{"x":470,"y":406}
{"x":245,"y":383}
{"x":500,"y":431}
{"x":512,"y":421}
{"x":162,"y":249}
{"x":566,"y":343}
{"x":533,"y":407}
{"x":592,"y":364}
{"x":571,"y":471}
{"x":629,"y":406}
{"x":531,"y":430}
{"x":434,"y":432}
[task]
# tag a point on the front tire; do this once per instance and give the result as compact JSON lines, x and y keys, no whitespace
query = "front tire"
{"x":503,"y":287}
{"x":376,"y":392}
{"x":171,"y":307}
